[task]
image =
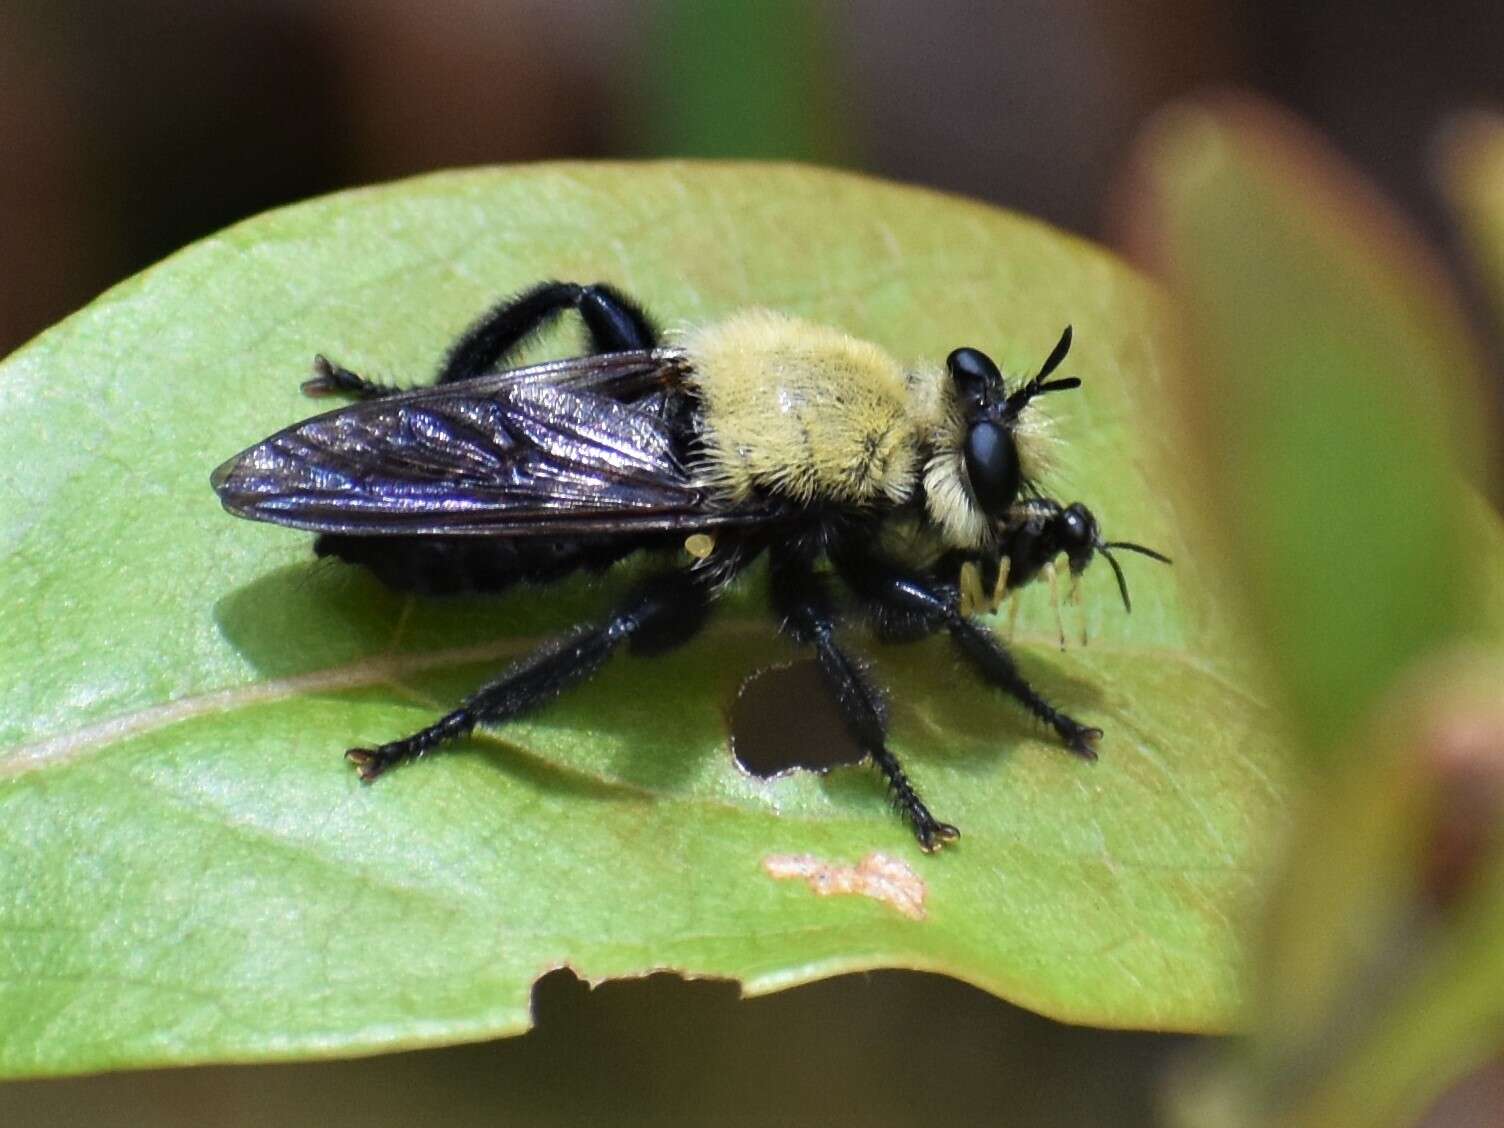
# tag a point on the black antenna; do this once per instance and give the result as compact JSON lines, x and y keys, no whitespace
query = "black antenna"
{"x":1037,"y":386}
{"x":1140,"y":549}
{"x":1118,"y":571}
{"x":1057,"y":354}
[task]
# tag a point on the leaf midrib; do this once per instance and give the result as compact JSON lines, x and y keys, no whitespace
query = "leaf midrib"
{"x":390,"y":669}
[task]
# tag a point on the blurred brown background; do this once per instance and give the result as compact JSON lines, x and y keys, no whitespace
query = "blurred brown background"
{"x":130,"y":129}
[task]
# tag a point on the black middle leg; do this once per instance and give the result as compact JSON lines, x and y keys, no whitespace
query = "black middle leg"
{"x":659,"y":614}
{"x":804,"y":603}
{"x":912,"y":600}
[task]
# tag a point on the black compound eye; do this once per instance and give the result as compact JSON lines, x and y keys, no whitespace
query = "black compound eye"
{"x":974,"y":373}
{"x":1079,"y":528}
{"x":992,"y":466}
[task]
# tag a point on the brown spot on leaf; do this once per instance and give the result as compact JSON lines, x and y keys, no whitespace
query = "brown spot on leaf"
{"x":878,"y":876}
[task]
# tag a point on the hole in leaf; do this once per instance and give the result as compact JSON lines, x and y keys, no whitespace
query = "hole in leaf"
{"x":785,"y":718}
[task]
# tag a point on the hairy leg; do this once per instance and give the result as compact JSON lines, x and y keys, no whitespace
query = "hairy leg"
{"x":804,"y":604}
{"x":614,"y":321}
{"x":913,"y":602}
{"x":657,"y":616}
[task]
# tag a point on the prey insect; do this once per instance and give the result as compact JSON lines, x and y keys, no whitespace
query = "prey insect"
{"x":758,"y":436}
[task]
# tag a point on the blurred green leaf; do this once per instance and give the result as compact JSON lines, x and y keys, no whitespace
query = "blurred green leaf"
{"x":1330,"y":392}
{"x":1472,"y":171}
{"x":1331,"y":409}
{"x":731,"y":79}
{"x":192,"y":873}
{"x":1381,"y":982}
{"x":1404,"y":961}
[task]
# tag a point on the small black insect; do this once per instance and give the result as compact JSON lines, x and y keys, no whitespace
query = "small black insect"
{"x":760,"y":434}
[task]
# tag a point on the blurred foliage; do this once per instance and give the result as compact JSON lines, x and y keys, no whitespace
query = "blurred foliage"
{"x":1472,"y":172}
{"x":1332,"y":404}
{"x":731,"y":79}
{"x":1332,"y":420}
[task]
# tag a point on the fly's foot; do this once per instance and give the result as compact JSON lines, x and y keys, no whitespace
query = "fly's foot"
{"x":372,"y":762}
{"x":933,"y":834}
{"x":1080,"y":739}
{"x":330,"y":379}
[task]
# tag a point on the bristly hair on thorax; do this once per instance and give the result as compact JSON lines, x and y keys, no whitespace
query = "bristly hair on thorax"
{"x":947,"y":496}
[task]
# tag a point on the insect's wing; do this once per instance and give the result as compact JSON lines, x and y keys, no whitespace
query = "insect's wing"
{"x":624,"y":376}
{"x":491,"y":456}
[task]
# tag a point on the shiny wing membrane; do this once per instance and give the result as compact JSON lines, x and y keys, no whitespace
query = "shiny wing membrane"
{"x":542,"y":451}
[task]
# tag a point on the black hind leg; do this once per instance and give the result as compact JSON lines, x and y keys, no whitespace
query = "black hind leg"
{"x":330,"y":379}
{"x":657,"y":616}
{"x":614,"y":321}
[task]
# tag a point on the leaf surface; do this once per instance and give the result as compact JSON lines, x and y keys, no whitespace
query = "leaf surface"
{"x":192,"y":873}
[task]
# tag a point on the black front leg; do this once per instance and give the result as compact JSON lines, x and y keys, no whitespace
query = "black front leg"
{"x":912,"y":597}
{"x":804,"y":604}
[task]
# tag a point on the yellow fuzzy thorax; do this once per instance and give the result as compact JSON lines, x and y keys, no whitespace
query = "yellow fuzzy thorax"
{"x":802,"y":411}
{"x":808,"y":413}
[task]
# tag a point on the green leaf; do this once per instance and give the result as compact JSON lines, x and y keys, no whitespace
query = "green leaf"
{"x":192,"y":872}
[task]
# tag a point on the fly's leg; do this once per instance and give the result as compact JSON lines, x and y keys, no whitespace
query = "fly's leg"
{"x":330,"y":379}
{"x":804,"y":604}
{"x":657,"y":616}
{"x":978,"y":645}
{"x":991,"y":659}
{"x":1052,"y":576}
{"x":614,"y":321}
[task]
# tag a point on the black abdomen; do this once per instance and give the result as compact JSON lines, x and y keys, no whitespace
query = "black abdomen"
{"x":431,"y":565}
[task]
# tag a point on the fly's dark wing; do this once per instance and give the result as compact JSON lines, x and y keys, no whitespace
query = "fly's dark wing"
{"x":535,"y":452}
{"x":624,"y":376}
